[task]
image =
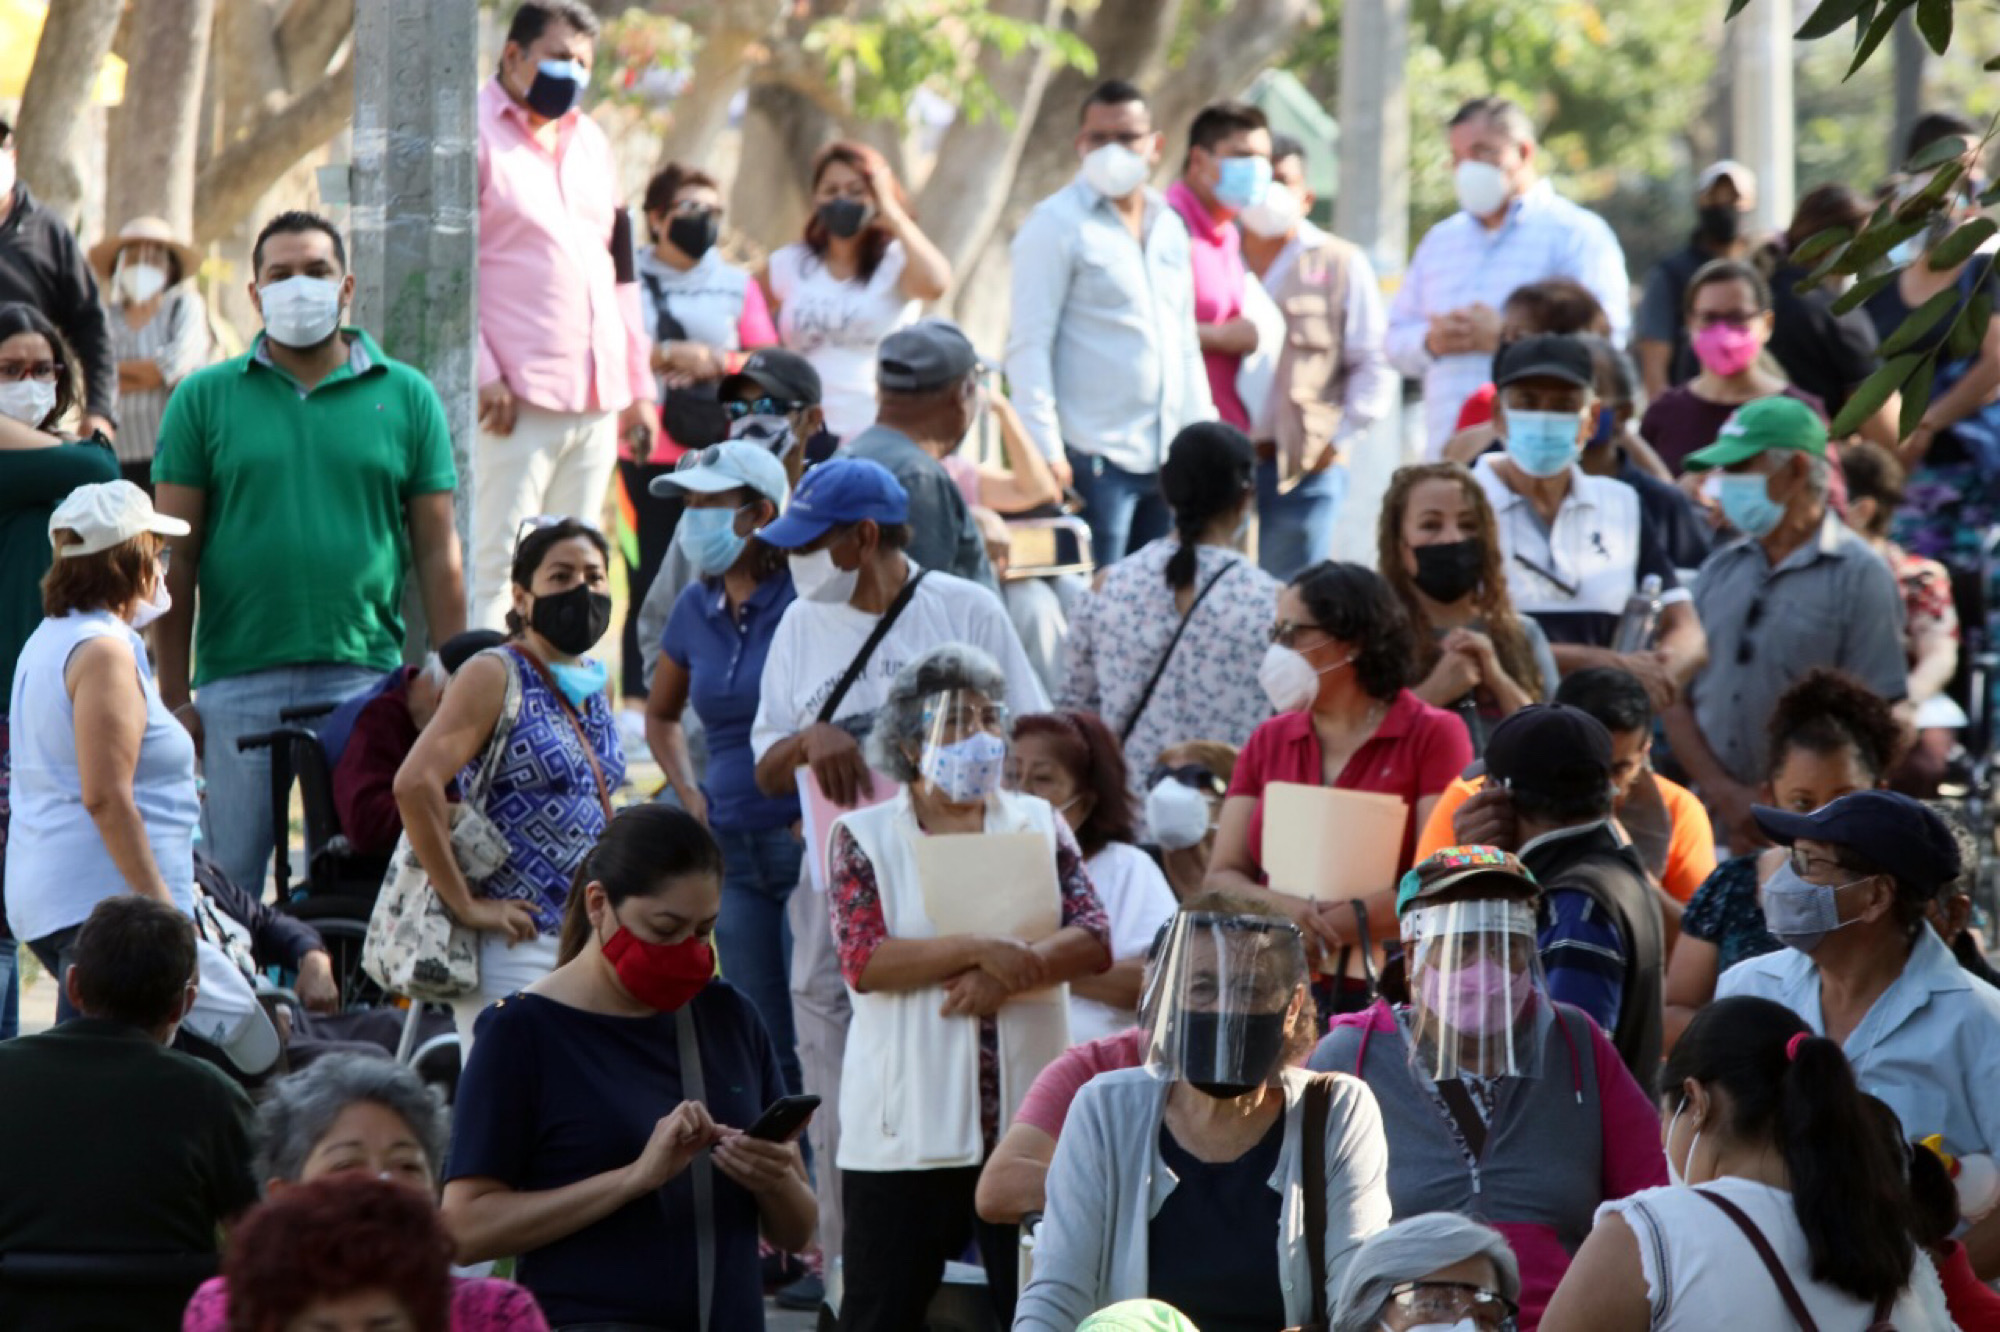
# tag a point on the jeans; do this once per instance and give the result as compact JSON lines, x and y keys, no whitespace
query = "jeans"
{"x":236,"y":818}
{"x":1125,"y":510}
{"x":760,"y":872}
{"x":1295,"y":530}
{"x":55,"y":952}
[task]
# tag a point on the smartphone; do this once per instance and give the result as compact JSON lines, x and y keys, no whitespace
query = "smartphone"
{"x":784,"y":1118}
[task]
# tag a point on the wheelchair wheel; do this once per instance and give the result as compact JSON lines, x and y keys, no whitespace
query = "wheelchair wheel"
{"x":343,"y":929}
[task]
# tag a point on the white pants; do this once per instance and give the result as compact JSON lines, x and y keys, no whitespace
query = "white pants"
{"x":556,"y":463}
{"x":502,"y":971}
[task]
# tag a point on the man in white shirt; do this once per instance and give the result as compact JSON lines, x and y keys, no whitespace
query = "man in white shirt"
{"x":1103,"y":359}
{"x":845,"y":530}
{"x":1512,"y":229}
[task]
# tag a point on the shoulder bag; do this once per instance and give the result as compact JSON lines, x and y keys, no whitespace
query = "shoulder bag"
{"x":875,"y":637}
{"x":1316,"y":1106}
{"x":1160,"y":668}
{"x":414,"y":945}
{"x":1786,"y":1290}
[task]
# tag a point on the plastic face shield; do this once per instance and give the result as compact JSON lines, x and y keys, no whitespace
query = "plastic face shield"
{"x":1477,"y":994}
{"x":965,"y":744}
{"x":1222,"y":999}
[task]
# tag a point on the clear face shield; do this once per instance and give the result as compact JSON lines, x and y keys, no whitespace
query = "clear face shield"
{"x":1478,"y":1000}
{"x":1222,"y":1001}
{"x":965,"y":745}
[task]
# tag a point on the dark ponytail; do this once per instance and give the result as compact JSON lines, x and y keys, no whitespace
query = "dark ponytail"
{"x":1210,"y":468}
{"x":642,"y":848}
{"x":1795,"y":1091}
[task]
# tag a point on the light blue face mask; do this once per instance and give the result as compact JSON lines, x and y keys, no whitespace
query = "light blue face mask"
{"x":1747,"y":504}
{"x":1242,"y":182}
{"x":1542,"y":444}
{"x":579,"y":680}
{"x":708,"y":538}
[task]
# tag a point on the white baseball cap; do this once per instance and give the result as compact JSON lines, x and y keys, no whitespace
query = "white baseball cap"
{"x":1742,"y":177}
{"x":226,"y":1012}
{"x":108,"y":514}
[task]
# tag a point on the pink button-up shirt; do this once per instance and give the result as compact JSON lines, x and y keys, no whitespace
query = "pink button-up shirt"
{"x":1217,"y":257}
{"x":554,"y":321}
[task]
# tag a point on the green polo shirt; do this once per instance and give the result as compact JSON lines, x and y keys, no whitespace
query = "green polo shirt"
{"x":306,"y":543}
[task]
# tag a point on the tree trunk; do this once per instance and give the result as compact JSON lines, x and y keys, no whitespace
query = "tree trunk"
{"x":252,"y":81}
{"x":234,"y":178}
{"x":75,"y":39}
{"x":701,"y":112}
{"x":1222,"y":64}
{"x":782,"y":130}
{"x":308,"y":33}
{"x":150,"y":163}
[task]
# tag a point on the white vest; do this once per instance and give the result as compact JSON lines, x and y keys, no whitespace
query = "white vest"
{"x":909,"y":1090}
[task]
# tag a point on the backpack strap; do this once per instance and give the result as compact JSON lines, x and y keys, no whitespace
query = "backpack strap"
{"x":1160,"y":667}
{"x":875,"y":637}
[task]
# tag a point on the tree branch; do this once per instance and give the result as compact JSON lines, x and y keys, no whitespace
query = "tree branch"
{"x":235,"y":178}
{"x":308,"y":33}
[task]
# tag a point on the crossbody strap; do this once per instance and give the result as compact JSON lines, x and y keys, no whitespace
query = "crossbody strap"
{"x":1318,"y":1105}
{"x":1786,"y":1290}
{"x":875,"y":637}
{"x":503,"y":726}
{"x":702,"y":1169}
{"x":576,"y":725}
{"x":1160,"y":668}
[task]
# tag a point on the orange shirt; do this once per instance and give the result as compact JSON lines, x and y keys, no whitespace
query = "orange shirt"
{"x":1690,"y":849}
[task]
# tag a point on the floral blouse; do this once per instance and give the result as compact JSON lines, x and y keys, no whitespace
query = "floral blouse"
{"x":1118,"y":634}
{"x":1725,"y":911}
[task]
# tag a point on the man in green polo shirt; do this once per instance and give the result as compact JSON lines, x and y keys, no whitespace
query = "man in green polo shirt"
{"x":316,"y":473}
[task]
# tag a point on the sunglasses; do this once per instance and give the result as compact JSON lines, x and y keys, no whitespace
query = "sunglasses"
{"x":1188,"y":774}
{"x":764,"y":406}
{"x":530,"y":526}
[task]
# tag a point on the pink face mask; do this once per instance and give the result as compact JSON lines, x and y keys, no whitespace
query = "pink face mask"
{"x":1481,"y":999}
{"x":1726,"y":350}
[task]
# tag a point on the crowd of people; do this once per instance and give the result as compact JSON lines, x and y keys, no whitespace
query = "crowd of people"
{"x":1064,"y":871}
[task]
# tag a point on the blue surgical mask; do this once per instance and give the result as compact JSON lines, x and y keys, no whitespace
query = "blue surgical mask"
{"x":579,"y":680}
{"x":1747,"y":504}
{"x":1800,"y":914}
{"x":1542,"y":444}
{"x":708,"y":538}
{"x":1242,"y":182}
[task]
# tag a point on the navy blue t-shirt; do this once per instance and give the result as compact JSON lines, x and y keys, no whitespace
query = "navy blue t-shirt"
{"x":1212,"y":1246}
{"x":724,"y":659}
{"x":553,"y":1094}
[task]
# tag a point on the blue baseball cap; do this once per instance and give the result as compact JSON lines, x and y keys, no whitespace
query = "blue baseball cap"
{"x":838,"y":491}
{"x":1901,"y":837}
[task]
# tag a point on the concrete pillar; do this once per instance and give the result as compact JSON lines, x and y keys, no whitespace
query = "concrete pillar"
{"x":1762,"y":112}
{"x":1912,"y":58}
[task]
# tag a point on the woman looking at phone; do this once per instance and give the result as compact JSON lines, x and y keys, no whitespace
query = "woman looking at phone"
{"x":584,"y":1141}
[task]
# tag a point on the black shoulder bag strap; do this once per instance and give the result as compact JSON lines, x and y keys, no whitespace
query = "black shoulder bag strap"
{"x":1146,"y":694}
{"x":702,"y":1170}
{"x":860,"y":662}
{"x":1318,"y":1105}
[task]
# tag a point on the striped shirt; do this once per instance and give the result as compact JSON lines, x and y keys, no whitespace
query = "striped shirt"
{"x":176,"y":340}
{"x":1461,"y":263}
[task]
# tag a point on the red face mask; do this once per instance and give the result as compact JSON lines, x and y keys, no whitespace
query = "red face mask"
{"x":661,"y":976}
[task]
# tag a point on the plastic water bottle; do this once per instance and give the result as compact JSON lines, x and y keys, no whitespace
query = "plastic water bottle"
{"x":1641,"y":618}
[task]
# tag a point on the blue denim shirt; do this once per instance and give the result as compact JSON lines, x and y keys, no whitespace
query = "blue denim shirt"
{"x":724,"y":659}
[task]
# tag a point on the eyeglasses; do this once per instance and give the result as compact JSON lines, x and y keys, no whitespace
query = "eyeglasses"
{"x":44,"y":372}
{"x":1285,"y":631}
{"x":1187,"y":774}
{"x":764,"y":406}
{"x":1736,"y":319}
{"x":1450,"y":1301}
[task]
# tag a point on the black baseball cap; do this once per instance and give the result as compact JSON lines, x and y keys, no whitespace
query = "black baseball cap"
{"x":1900,"y":836}
{"x":1544,"y":356}
{"x":780,"y":373}
{"x":1551,"y":750}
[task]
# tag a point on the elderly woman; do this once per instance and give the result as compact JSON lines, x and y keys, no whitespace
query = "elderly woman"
{"x":1219,"y":1177}
{"x":1863,"y":967}
{"x":535,"y":712}
{"x":159,"y":329}
{"x":1498,"y":1100}
{"x":1438,"y":1270}
{"x":103,"y":790}
{"x":1334,"y":672}
{"x":948,"y":1029}
{"x":363,"y":1116}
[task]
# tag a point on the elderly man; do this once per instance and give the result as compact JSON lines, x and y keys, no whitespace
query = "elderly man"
{"x":1798,"y":589}
{"x":1512,"y":229}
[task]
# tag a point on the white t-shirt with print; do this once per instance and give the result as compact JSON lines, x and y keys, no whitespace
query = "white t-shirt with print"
{"x":838,"y":325}
{"x":1138,"y":901}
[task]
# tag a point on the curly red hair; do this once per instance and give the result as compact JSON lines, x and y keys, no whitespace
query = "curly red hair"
{"x":1087,"y":750}
{"x":333,"y":1238}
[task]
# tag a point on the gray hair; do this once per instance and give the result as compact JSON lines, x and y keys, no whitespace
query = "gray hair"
{"x":899,"y":723}
{"x":302,"y":1107}
{"x":1410,"y":1251}
{"x":1819,"y":477}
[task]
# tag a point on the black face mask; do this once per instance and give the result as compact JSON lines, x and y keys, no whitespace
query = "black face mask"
{"x":1257,"y":1047}
{"x":844,"y":217}
{"x":572,"y":621}
{"x":1449,"y":571}
{"x":1719,"y":224}
{"x":694,"y":234}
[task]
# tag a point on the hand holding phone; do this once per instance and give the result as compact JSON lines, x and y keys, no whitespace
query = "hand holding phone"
{"x":785,"y":1118}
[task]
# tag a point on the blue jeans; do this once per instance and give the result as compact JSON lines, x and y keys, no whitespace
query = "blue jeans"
{"x":1295,"y":530}
{"x":1125,"y":510}
{"x":55,"y":952}
{"x":760,"y":871}
{"x":236,"y":819}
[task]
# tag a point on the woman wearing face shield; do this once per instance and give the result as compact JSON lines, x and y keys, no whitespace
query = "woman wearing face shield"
{"x":947,"y":1033}
{"x":1497,"y":1101}
{"x":1863,"y":967}
{"x":1218,"y":1177}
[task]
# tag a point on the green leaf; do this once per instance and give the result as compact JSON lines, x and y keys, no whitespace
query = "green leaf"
{"x":1956,"y":248}
{"x":1857,"y":295}
{"x":1992,"y":65}
{"x":1877,"y":33}
{"x":1829,"y":18}
{"x":1937,"y":152}
{"x":1736,"y":7}
{"x":1919,"y":322}
{"x":1931,"y":197}
{"x":1827,"y":269}
{"x":1873,"y":245}
{"x":1969,"y":328}
{"x":1874,"y":391}
{"x":1934,"y":22}
{"x":1819,"y":244}
{"x":1916,"y":396}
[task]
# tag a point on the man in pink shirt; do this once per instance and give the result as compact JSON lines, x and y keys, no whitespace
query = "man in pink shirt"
{"x":1228,"y":169}
{"x":563,"y":354}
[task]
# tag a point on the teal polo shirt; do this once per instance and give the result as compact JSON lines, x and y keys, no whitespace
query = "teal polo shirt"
{"x":305,"y":545}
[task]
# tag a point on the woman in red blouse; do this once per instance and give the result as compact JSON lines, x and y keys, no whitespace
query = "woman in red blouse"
{"x":1339,"y":655}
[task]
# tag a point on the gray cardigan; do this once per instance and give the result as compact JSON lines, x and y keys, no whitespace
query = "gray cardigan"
{"x":1107,"y":1182}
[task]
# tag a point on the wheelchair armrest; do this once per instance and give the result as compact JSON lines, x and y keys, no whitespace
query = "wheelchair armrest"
{"x":271,"y":739}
